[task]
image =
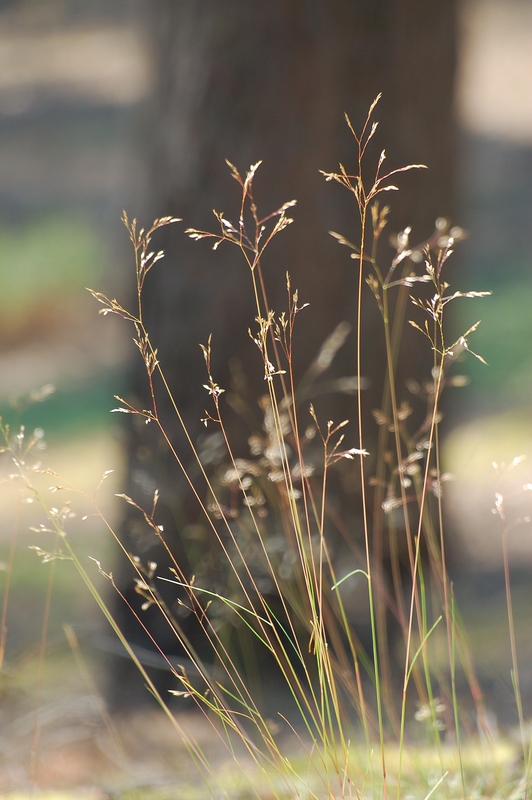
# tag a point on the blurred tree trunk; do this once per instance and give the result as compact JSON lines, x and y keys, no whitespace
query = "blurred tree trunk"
{"x":248,"y":80}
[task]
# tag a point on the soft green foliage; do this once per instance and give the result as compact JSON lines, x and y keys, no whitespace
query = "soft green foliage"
{"x":44,"y":262}
{"x":505,"y":335}
{"x":71,"y":411}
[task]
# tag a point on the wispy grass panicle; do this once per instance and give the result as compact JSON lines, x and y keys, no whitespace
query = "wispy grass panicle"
{"x":404,"y":482}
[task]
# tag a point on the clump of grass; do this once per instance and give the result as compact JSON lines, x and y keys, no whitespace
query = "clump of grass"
{"x":270,"y":519}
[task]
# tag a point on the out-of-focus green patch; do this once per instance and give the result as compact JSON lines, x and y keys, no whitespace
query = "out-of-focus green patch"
{"x":46,"y":254}
{"x":42,"y":263}
{"x":68,"y":411}
{"x":503,"y":340}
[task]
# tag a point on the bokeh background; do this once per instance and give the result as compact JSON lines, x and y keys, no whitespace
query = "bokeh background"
{"x":75,"y":78}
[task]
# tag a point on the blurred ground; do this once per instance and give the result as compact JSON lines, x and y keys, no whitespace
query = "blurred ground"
{"x":72,"y":81}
